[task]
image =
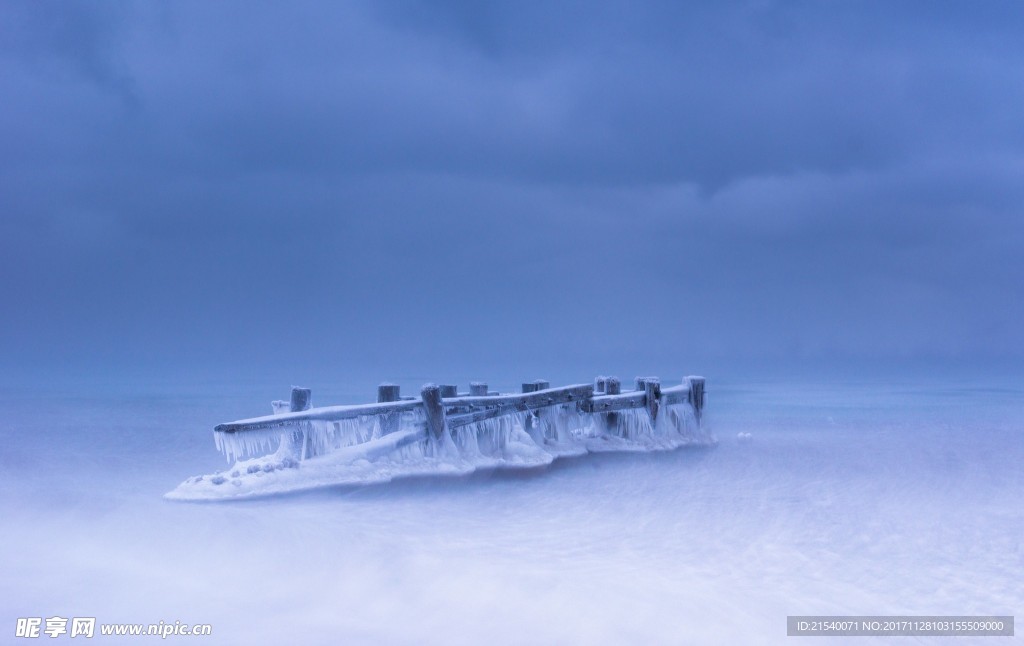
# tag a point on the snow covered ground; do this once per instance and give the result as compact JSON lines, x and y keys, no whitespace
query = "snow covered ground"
{"x":870,"y":498}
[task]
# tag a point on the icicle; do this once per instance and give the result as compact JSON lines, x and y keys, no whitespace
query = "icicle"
{"x":236,"y":446}
{"x":564,"y":424}
{"x":490,"y":436}
{"x":681,"y":419}
{"x":466,"y":442}
{"x":633,"y":424}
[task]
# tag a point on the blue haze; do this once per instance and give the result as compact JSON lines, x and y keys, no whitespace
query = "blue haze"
{"x":818,"y":206}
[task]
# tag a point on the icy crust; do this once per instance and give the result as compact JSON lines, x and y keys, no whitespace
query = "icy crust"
{"x":379,"y":449}
{"x":313,"y":438}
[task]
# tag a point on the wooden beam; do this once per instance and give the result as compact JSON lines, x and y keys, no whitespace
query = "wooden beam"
{"x":537,"y":399}
{"x":327,"y":414}
{"x":458,"y":421}
{"x":608,"y":403}
{"x":506,"y":404}
{"x":675,"y":395}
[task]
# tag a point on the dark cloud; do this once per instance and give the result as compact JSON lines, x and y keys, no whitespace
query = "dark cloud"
{"x":395,"y":184}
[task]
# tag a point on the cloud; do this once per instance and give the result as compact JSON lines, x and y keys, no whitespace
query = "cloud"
{"x":207,"y":181}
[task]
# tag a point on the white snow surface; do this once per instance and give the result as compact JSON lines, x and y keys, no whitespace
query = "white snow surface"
{"x":883,"y":497}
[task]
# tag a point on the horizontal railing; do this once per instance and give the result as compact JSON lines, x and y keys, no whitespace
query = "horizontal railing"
{"x":444,"y":408}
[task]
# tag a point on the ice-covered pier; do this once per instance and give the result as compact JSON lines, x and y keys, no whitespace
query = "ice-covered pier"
{"x":446,"y":431}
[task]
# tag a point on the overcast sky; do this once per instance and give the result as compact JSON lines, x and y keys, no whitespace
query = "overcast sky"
{"x":388,"y":186}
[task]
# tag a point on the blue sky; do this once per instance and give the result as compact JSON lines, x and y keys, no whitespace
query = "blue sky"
{"x":389,"y":186}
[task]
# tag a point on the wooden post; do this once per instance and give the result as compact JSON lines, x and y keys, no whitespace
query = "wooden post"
{"x":612,"y":386}
{"x":696,"y":397}
{"x":530,"y":423}
{"x":449,"y":390}
{"x":599,"y":385}
{"x":478,"y":389}
{"x":652,"y":386}
{"x":301,"y":399}
{"x":436,"y":423}
{"x":540,"y":426}
{"x":640,"y":383}
{"x":387,"y":392}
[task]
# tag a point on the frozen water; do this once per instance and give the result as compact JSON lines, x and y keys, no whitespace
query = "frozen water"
{"x":881,"y":497}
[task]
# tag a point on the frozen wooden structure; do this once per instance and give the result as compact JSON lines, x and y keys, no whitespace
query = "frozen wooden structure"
{"x":445,"y":432}
{"x":441,"y":413}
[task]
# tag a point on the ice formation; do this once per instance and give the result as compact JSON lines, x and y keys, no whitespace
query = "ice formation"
{"x":373,"y":449}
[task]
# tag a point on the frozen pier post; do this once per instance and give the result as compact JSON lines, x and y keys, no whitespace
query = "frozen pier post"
{"x":652,"y":389}
{"x":478,"y":389}
{"x":696,"y":398}
{"x":387,"y":392}
{"x":531,"y":418}
{"x":301,"y":399}
{"x":437,"y":425}
{"x":612,"y":386}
